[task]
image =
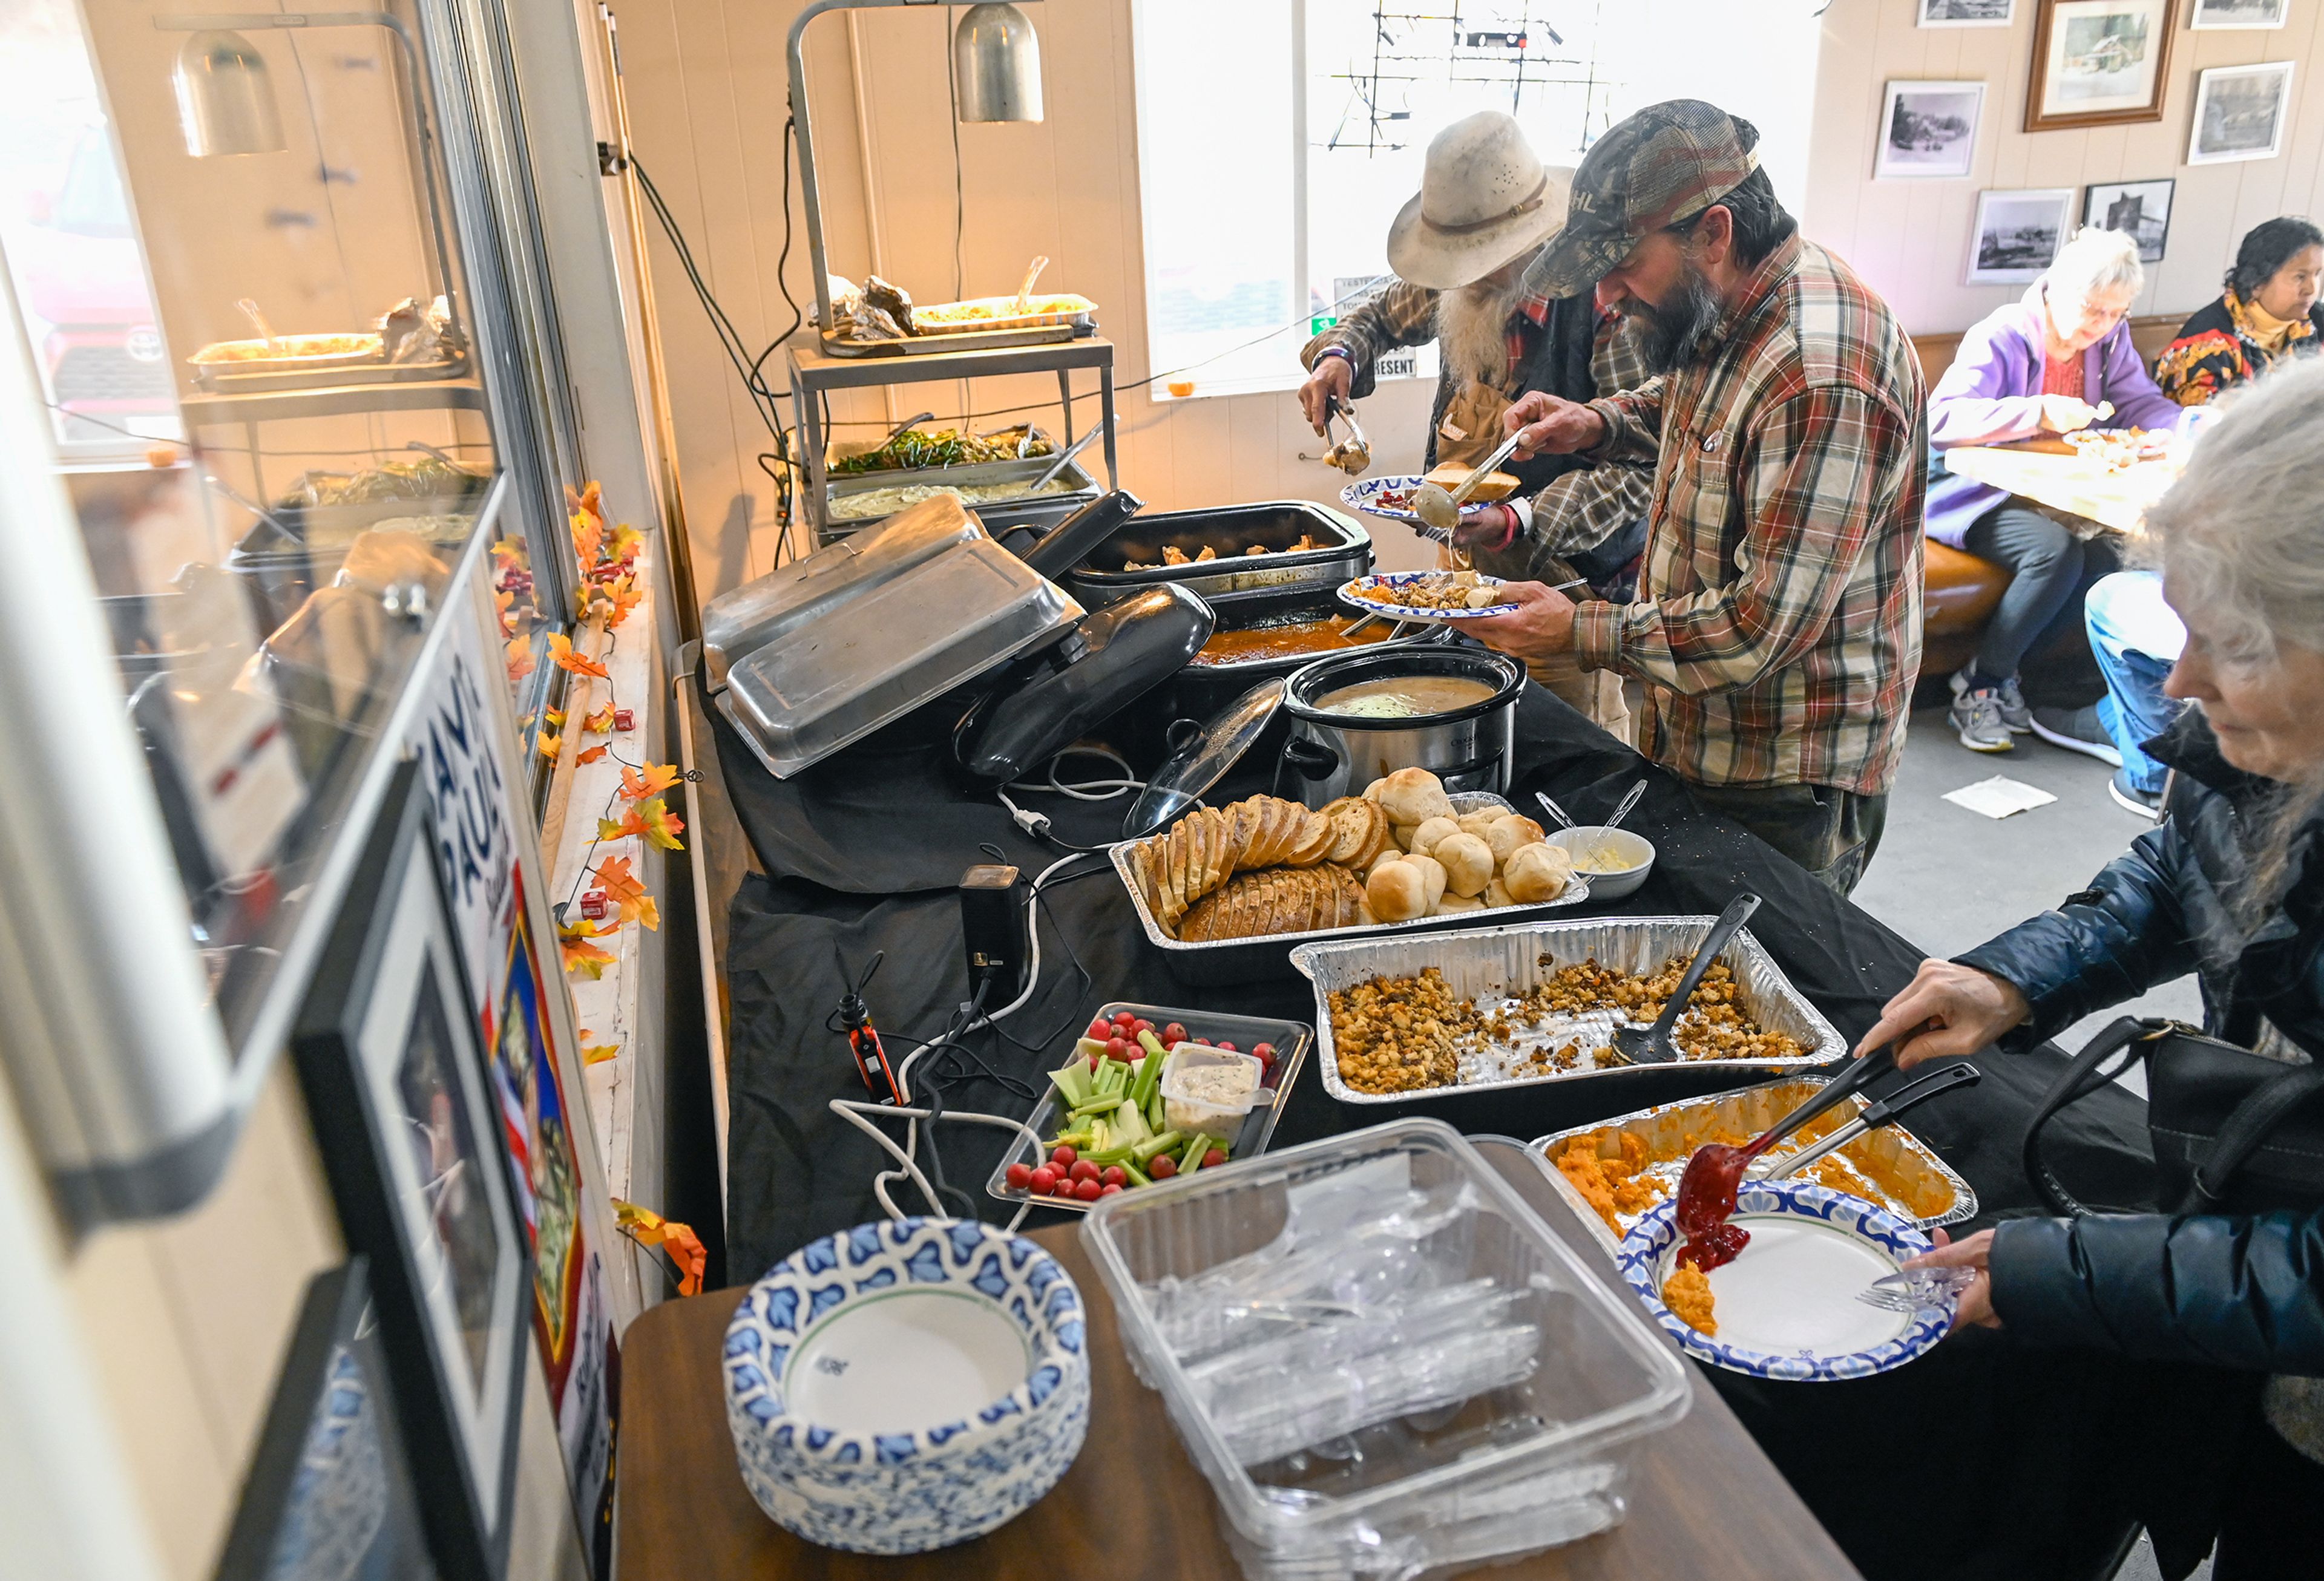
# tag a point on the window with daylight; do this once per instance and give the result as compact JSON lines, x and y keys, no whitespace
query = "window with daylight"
{"x":1277,"y":140}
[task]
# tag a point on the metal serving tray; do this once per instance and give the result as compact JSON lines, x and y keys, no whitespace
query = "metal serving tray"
{"x":1290,"y":1038}
{"x":997,"y":515}
{"x":1346,"y":552}
{"x":1502,"y":962}
{"x":1241,"y":961}
{"x":1747,"y":1111}
{"x":819,"y":685}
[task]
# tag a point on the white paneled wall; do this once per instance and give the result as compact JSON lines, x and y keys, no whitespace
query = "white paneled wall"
{"x":1911,"y":238}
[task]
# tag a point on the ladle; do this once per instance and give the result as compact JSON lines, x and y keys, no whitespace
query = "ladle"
{"x":1441,"y":510}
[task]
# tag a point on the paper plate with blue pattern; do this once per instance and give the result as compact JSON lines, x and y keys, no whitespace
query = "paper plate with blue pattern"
{"x":1787,"y":1308}
{"x":1381,"y":593}
{"x":1383,"y":497}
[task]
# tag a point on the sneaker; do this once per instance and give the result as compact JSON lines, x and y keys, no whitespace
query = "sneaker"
{"x":2077,"y":729}
{"x":1977,"y":715}
{"x":2147,"y":805}
{"x":2013,"y":711}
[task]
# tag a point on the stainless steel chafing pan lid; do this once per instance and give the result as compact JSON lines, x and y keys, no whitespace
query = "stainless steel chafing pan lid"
{"x":878,"y":656}
{"x":736,"y":623}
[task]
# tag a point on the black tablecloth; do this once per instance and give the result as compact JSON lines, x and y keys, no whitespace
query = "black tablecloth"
{"x":2040,"y":1457}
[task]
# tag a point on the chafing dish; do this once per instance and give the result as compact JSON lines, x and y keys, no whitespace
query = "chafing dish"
{"x":1343,"y":551}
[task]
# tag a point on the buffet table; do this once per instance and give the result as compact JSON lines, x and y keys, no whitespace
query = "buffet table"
{"x":1704,"y":1500}
{"x":2044,"y":1463}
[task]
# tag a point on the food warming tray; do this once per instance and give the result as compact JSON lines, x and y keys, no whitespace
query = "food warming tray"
{"x":1346,"y":552}
{"x":1747,"y":1111}
{"x":1039,"y":511}
{"x":842,"y":657}
{"x":1501,"y":962}
{"x":1291,"y":1039}
{"x":1243,"y":960}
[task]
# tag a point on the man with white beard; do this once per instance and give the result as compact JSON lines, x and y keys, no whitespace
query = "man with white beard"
{"x":1459,"y":250}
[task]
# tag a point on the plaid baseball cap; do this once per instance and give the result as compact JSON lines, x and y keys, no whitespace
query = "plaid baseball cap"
{"x":1667,"y":162}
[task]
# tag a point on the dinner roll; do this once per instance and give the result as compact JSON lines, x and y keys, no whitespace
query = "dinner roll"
{"x":1508,"y":832}
{"x":1425,"y":839}
{"x":1477,"y":821}
{"x":1537,"y":872}
{"x":1431,"y":870}
{"x":1415,"y":796}
{"x":1497,"y":893}
{"x":1402,"y":834}
{"x":1459,"y":903}
{"x":1396,"y":892}
{"x":1372,"y":791}
{"x":1468,"y":863}
{"x":1381,"y":860}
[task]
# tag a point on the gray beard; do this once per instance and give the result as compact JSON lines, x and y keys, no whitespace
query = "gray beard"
{"x":1472,"y":326}
{"x":1677,"y":331}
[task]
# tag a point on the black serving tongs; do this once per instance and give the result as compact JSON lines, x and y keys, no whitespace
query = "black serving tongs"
{"x":1879,"y":1113}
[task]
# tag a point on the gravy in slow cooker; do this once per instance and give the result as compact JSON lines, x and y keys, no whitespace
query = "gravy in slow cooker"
{"x":1405,"y":697}
{"x":1290,"y":639}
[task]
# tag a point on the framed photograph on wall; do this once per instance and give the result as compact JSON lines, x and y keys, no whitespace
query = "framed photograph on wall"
{"x":329,"y":1495}
{"x":2017,"y":234}
{"x":1929,"y":129}
{"x":2098,"y":63}
{"x":2238,"y":13}
{"x":2139,"y":209}
{"x":1968,"y":13}
{"x":412,"y":1141}
{"x":2239,"y":112}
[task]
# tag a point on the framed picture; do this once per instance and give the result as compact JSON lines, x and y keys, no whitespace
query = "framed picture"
{"x":2239,"y":112}
{"x":1968,"y":13}
{"x":329,"y":1496}
{"x":2244,"y":13}
{"x":2098,"y":63}
{"x":2017,"y":234}
{"x":1929,"y":129}
{"x":411,"y":1140}
{"x":2138,"y":209}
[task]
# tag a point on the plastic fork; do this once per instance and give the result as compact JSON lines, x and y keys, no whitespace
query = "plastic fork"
{"x":1909,"y":1290}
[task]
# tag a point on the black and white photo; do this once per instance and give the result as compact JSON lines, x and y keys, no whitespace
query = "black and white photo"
{"x":1929,"y":129}
{"x":2239,"y":112}
{"x":2239,"y":14}
{"x":2140,"y":210}
{"x":2099,"y":63}
{"x":2017,"y":234}
{"x":1968,"y":13}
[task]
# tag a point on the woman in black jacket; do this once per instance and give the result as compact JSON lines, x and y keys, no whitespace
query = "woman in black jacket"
{"x":2230,"y":887}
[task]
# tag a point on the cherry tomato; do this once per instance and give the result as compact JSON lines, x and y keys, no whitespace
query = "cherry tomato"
{"x":1083,"y":1169}
{"x":1018,"y":1176}
{"x":1064,"y":1188}
{"x":1124,"y":1018}
{"x":1163,"y":1167}
{"x":1063,"y":1158}
{"x":1113,"y":1174}
{"x":1088,"y":1190}
{"x":1100,"y":1030}
{"x":1213,"y":1158}
{"x":1228,"y":1047}
{"x":1174,"y":1034}
{"x":1118,"y":1048}
{"x":1142,"y":1024}
{"x":1109,"y":1190}
{"x":1265,"y":1050}
{"x":1043,"y":1180}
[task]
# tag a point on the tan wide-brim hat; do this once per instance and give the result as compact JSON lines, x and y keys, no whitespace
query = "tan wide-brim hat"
{"x":1485,"y":197}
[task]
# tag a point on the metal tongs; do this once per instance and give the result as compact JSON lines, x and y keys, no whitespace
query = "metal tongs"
{"x":1881,"y":1112}
{"x":1441,"y":510}
{"x":1354,"y":453}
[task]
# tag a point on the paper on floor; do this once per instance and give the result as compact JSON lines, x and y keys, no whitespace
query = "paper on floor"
{"x":1999,"y":796}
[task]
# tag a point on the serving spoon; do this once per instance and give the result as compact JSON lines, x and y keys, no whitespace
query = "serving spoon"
{"x":1440,"y":509}
{"x":1652,"y":1045}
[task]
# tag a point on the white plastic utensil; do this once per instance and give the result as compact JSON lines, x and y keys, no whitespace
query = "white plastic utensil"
{"x":1025,"y":288}
{"x":1564,"y":819}
{"x":1908,"y":1289}
{"x":1598,"y":853}
{"x":258,"y":321}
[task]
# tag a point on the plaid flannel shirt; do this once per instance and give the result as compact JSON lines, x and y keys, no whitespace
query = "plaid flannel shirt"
{"x":1578,"y":511}
{"x":1779,"y":630}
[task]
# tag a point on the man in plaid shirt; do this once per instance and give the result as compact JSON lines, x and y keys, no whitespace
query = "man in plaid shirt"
{"x":1778,"y":628}
{"x":1459,"y":250}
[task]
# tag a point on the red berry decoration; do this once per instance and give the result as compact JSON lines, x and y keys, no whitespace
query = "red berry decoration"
{"x":1174,"y":1033}
{"x":1088,"y":1190}
{"x":1213,"y":1158}
{"x":1113,"y":1174}
{"x":1018,"y":1176}
{"x":1083,"y":1169}
{"x":1163,"y":1167}
{"x":1063,"y":1158}
{"x":1109,"y":1190}
{"x":1043,"y":1180}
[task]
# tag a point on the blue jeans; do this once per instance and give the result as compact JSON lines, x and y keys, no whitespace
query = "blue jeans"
{"x":2136,"y":637}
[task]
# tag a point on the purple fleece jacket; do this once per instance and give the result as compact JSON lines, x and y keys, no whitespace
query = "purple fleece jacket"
{"x":1993,"y":392}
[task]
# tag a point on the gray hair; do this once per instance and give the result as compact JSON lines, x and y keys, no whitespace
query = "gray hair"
{"x":2097,"y":261}
{"x":2241,"y":533}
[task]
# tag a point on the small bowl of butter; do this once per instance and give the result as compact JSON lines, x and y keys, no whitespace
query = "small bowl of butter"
{"x":1615,"y":860}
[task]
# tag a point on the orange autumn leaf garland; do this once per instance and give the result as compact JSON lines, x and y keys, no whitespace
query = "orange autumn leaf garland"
{"x":561,"y":652}
{"x":591,"y":756}
{"x":600,"y":719}
{"x":581,"y":954}
{"x":648,"y":818}
{"x":622,"y":887}
{"x":650,"y":1229}
{"x":656,"y":779}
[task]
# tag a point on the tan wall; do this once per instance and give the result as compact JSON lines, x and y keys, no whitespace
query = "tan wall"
{"x":1911,"y":238}
{"x":705,"y":86}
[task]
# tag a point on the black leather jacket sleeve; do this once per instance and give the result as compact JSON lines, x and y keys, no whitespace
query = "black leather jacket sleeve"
{"x":2234,"y":1292}
{"x":2111,"y":943}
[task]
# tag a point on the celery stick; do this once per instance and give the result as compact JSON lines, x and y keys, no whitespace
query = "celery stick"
{"x":1127,"y":1124}
{"x":1076,"y":1140}
{"x":1196,"y":1151}
{"x":1137,"y":1177}
{"x":1073,"y":1082}
{"x":1154,"y":1114}
{"x":1099,"y":1105}
{"x":1163,"y":1143}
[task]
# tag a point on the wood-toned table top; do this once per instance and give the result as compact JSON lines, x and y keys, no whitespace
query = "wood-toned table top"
{"x":1704,"y":1500}
{"x":2048,"y":474}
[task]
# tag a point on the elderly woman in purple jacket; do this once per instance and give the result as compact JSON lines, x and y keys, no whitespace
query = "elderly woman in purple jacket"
{"x":2056,"y":361}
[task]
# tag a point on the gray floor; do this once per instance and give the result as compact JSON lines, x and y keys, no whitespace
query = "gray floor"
{"x":1949,"y":879}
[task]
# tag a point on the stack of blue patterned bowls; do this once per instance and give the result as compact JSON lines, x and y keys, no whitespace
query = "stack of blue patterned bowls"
{"x":902,"y":1387}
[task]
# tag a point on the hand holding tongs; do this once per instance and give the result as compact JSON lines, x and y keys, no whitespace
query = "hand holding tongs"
{"x":1882,"y":1112}
{"x":1354,"y":453}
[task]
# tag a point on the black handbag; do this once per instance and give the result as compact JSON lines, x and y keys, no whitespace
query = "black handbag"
{"x":2233,"y":1131}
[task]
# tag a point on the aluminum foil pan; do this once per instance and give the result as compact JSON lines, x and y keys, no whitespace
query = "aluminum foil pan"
{"x":1243,"y":960}
{"x":1494,"y":964}
{"x":1747,"y":1112}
